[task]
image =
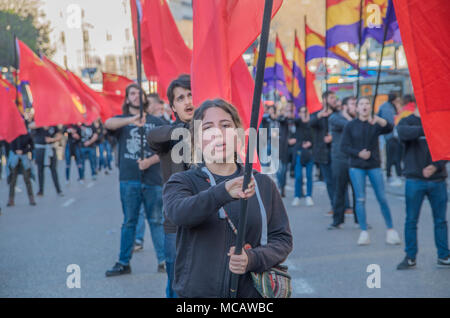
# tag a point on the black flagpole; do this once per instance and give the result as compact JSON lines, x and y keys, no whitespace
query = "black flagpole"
{"x":361,"y":5}
{"x":139,"y":75}
{"x":386,"y":27}
{"x":16,"y":66}
{"x":253,"y":124}
{"x":326,"y":50}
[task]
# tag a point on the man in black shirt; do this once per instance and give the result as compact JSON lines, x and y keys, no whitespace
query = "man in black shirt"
{"x":45,"y":154}
{"x":19,"y":162}
{"x":88,"y":138}
{"x":424,"y":177}
{"x":140,"y":179}
{"x":73,"y":149}
{"x":322,"y":140}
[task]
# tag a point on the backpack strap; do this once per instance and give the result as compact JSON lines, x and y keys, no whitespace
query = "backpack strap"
{"x":262,"y":209}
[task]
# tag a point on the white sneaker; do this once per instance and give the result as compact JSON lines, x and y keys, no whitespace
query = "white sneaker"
{"x":296,"y":201}
{"x":309,"y":201}
{"x":364,"y":238}
{"x":392,"y":237}
{"x":396,"y":182}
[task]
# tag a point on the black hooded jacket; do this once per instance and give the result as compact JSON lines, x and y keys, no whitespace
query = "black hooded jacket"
{"x":204,"y":239}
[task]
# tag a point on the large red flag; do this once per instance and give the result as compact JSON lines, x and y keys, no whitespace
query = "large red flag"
{"x":11,"y":122}
{"x":425,"y":31}
{"x":53,"y":103}
{"x":223,"y":30}
{"x":115,"y":84}
{"x":164,"y":52}
{"x":91,"y":107}
{"x":313,"y":103}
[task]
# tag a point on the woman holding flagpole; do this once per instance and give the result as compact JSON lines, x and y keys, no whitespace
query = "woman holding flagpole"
{"x":204,"y":203}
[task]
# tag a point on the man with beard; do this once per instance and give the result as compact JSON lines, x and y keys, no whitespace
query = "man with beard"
{"x":341,"y":178}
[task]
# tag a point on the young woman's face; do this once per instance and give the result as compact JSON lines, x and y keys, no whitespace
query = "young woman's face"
{"x":219,"y":136}
{"x":364,"y":108}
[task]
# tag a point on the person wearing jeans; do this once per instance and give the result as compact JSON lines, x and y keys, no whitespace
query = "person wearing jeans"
{"x":303,"y":158}
{"x":133,"y":194}
{"x":424,"y":178}
{"x":140,"y":179}
{"x":360,"y":142}
{"x":88,"y":138}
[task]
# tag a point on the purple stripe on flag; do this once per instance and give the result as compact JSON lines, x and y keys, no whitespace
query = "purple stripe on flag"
{"x":343,"y":33}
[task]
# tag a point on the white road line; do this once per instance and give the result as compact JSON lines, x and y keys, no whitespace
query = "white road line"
{"x":301,"y":287}
{"x":90,"y":185}
{"x":68,"y":202}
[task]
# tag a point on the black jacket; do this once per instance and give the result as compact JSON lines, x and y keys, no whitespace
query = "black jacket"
{"x":359,"y":135}
{"x":159,"y":140}
{"x":336,"y":124}
{"x":24,"y":143}
{"x":204,"y":239}
{"x":321,"y":150}
{"x":417,"y":153}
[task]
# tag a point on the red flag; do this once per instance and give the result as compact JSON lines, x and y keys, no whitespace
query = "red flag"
{"x":11,"y":123}
{"x":53,"y":102}
{"x":164,"y":52}
{"x":91,"y":107}
{"x":109,"y":106}
{"x":115,"y":84}
{"x":223,"y":30}
{"x":425,"y":31}
{"x":313,"y":103}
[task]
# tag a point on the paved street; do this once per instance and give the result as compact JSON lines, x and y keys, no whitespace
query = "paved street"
{"x":83,"y":227}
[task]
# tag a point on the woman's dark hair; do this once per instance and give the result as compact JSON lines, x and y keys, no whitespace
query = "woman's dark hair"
{"x":126,"y":104}
{"x":183,"y":81}
{"x":199,"y":114}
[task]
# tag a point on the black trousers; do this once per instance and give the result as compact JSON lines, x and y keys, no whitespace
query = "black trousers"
{"x":40,"y":160}
{"x":393,"y":156}
{"x":26,"y":178}
{"x":341,"y":181}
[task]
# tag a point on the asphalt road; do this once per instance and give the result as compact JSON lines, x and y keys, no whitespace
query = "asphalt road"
{"x":37,"y":244}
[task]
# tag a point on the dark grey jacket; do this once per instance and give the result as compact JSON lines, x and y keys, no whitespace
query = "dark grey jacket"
{"x":160,"y":142}
{"x":336,"y":124}
{"x":321,"y":150}
{"x":204,"y":239}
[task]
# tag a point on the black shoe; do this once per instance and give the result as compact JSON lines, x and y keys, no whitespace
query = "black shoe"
{"x":118,"y":269}
{"x":60,"y":194}
{"x":333,"y":226}
{"x":162,"y":267}
{"x":138,"y":247}
{"x":444,"y":262}
{"x":283,"y":195}
{"x":407,"y":263}
{"x":40,"y":194}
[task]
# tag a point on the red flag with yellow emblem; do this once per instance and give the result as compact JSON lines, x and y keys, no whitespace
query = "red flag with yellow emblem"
{"x":11,"y":123}
{"x":52,"y":101}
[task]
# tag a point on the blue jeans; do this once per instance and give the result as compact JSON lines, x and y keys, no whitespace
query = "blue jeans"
{"x":140,"y":228}
{"x":88,"y":153}
{"x":68,"y":156}
{"x":281,"y":175}
{"x":358,"y":178}
{"x":325,"y":170}
{"x":436,"y":192}
{"x":171,"y":253}
{"x":299,"y":177}
{"x":104,"y":162}
{"x":132,"y":195}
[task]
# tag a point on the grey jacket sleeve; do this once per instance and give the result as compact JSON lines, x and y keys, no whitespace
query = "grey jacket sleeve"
{"x":408,"y":132}
{"x":279,"y":237}
{"x":184,"y":208}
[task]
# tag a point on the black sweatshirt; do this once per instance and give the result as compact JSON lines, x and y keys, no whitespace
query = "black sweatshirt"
{"x":24,"y":143}
{"x":359,"y":135}
{"x":204,"y":239}
{"x":159,"y":140}
{"x":321,"y":150}
{"x":417,"y":153}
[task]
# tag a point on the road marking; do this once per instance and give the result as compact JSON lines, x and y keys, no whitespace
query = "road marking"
{"x":68,"y":202}
{"x":90,"y":185}
{"x":301,"y":286}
